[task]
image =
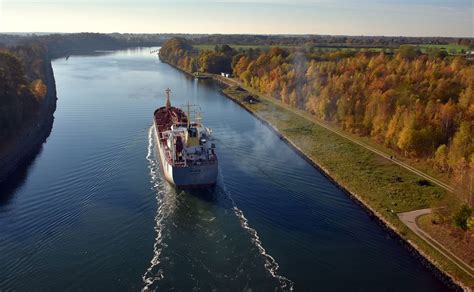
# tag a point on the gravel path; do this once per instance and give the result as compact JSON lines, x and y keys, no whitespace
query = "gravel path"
{"x":409,"y":219}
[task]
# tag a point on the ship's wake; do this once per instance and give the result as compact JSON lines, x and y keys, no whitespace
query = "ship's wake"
{"x":165,"y":205}
{"x":271,"y":265}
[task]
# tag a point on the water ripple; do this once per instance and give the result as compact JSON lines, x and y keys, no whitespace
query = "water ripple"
{"x":271,"y":265}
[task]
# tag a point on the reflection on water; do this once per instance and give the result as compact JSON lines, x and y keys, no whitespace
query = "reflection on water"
{"x":94,"y":213}
{"x":18,"y":177}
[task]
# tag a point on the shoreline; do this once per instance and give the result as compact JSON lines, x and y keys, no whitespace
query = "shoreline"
{"x":412,"y":247}
{"x":25,"y":146}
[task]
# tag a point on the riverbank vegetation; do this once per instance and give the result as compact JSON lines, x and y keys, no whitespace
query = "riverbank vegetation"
{"x":383,"y":186}
{"x":418,"y":106}
{"x":22,"y":86}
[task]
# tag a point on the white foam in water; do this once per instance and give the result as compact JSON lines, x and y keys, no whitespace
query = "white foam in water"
{"x":270,"y":263}
{"x":165,"y":206}
{"x":151,"y":276}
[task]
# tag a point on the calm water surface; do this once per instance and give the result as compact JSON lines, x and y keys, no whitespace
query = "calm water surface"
{"x":92,"y":211}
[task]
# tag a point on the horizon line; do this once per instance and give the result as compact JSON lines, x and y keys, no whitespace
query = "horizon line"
{"x":219,"y":33}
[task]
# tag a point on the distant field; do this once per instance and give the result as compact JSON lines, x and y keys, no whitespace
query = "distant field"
{"x":453,"y":49}
{"x":327,"y":49}
{"x":211,"y":46}
{"x":264,"y":47}
{"x":450,"y":48}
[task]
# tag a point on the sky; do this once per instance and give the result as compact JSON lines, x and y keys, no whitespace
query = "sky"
{"x":452,"y":18}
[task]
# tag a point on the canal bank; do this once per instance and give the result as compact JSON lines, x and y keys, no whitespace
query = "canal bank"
{"x":415,"y":244}
{"x":272,"y":115}
{"x":23,"y":147}
{"x":401,"y":235}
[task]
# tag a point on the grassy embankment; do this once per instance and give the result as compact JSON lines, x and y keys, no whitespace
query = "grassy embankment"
{"x":382,"y":186}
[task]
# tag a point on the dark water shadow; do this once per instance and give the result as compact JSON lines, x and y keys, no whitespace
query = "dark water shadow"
{"x":15,"y":181}
{"x":209,"y":194}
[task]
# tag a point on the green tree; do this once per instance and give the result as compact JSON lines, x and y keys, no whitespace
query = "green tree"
{"x":441,"y":157}
{"x":406,"y":137}
{"x":462,"y":216}
{"x":462,"y":145}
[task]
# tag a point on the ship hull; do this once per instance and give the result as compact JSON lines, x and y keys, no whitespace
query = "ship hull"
{"x":197,"y":176}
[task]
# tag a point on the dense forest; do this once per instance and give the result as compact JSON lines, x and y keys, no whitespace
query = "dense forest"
{"x":421,"y":105}
{"x":22,"y":85}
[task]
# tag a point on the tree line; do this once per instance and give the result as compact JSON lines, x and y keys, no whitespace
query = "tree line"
{"x":421,"y":105}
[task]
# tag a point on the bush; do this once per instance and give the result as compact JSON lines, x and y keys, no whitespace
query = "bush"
{"x":470,"y":223}
{"x":462,"y":216}
{"x":38,"y":88}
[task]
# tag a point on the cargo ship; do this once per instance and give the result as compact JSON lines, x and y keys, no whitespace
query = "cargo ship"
{"x":188,"y":157}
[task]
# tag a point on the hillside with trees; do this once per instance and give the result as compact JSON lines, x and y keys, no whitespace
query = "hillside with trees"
{"x":22,"y":86}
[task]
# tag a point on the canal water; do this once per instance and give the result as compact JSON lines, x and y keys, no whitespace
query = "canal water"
{"x":92,"y":212}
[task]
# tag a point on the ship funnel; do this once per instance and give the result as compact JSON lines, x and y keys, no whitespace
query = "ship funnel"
{"x":168,"y":102}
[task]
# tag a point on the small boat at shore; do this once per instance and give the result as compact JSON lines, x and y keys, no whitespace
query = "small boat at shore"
{"x":198,"y":75}
{"x":188,"y":158}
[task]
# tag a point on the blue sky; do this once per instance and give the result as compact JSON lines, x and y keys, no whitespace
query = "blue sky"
{"x":347,"y":17}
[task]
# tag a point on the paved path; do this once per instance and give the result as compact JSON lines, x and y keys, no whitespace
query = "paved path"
{"x":409,"y":219}
{"x":348,"y":137}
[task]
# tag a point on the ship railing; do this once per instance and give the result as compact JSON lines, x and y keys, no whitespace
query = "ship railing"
{"x":212,"y":159}
{"x":191,"y":163}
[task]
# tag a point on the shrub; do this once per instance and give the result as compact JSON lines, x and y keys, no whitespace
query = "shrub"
{"x":470,"y":223}
{"x":462,"y":216}
{"x":38,"y":88}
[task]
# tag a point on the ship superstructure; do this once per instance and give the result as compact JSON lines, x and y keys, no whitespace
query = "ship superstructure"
{"x":187,"y":155}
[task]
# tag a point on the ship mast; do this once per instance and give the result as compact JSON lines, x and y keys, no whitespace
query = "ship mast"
{"x":168,"y":102}
{"x":189,"y":115}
